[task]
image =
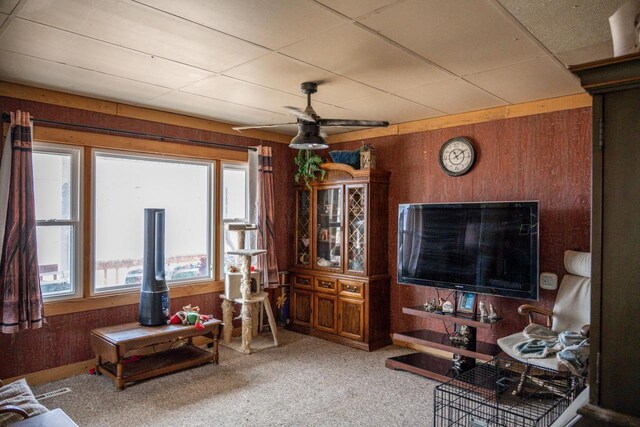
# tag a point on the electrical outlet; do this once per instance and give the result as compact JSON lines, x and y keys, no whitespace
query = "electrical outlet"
{"x":549,"y":281}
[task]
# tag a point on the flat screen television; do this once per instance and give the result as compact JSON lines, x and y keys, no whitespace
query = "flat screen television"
{"x":489,"y":248}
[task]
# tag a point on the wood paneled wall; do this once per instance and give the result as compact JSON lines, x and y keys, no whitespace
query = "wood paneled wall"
{"x":545,"y":157}
{"x":65,"y":338}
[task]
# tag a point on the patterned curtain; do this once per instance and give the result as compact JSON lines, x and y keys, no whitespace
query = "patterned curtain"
{"x":21,"y":305}
{"x":266,"y":216}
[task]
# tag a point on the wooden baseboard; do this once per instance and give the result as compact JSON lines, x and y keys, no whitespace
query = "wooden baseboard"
{"x":58,"y":373}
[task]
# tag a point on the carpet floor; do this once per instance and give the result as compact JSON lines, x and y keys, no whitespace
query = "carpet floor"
{"x":304,"y":382}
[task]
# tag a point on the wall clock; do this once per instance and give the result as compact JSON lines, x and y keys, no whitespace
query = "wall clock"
{"x":457,"y":156}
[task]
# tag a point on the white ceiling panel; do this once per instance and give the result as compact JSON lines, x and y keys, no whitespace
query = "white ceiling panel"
{"x":536,"y":79}
{"x":462,"y":36}
{"x":390,"y":108}
{"x":201,"y":106}
{"x":268,"y":23}
{"x":66,"y":48}
{"x":356,"y":53}
{"x":32,"y":71}
{"x":144,"y":29}
{"x":565,"y":25}
{"x":3,"y":17}
{"x":279,"y":72}
{"x":452,"y":96}
{"x":356,"y":8}
{"x":7,"y":6}
{"x":239,"y":92}
{"x":286,"y":74}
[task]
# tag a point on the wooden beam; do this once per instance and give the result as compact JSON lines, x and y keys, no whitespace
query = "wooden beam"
{"x":47,"y":96}
{"x":97,"y":302}
{"x":123,"y":143}
{"x":481,"y":116}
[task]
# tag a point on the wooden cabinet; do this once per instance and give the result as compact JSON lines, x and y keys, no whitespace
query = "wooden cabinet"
{"x":301,"y":307}
{"x":615,"y":240}
{"x":341,"y":258}
{"x":325,"y":312}
{"x":351,"y":318}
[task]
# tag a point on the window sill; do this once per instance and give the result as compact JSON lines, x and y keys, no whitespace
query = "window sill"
{"x":96,"y":302}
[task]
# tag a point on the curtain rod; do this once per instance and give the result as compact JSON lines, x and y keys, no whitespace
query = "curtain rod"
{"x":7,"y":118}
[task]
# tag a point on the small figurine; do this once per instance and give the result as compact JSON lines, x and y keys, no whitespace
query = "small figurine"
{"x":462,"y":336}
{"x":483,"y":310}
{"x":492,"y":313}
{"x":430,"y":305}
{"x":447,"y":306}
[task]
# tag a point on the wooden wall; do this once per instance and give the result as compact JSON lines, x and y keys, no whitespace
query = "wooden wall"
{"x":545,"y":157}
{"x":65,"y":338}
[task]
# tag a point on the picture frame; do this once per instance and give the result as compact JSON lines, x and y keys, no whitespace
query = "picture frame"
{"x":467,"y":303}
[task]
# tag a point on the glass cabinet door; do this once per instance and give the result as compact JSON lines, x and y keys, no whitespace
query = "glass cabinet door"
{"x":303,"y":228}
{"x":329,"y":228}
{"x":356,"y":228}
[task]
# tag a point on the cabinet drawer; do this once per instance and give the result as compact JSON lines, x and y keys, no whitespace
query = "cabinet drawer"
{"x":351,"y":288}
{"x":325,"y":284}
{"x":302,"y":281}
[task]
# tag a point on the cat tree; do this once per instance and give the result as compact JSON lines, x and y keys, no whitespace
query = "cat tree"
{"x":250,"y":301}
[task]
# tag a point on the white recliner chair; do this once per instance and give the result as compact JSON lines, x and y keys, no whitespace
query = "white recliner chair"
{"x":571,"y":311}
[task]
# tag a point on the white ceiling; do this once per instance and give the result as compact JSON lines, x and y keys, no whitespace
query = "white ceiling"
{"x":241,"y":61}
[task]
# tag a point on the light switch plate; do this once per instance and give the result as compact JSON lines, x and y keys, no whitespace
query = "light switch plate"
{"x":549,"y":281}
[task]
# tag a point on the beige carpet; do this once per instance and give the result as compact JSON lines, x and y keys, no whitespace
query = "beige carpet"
{"x":304,"y":382}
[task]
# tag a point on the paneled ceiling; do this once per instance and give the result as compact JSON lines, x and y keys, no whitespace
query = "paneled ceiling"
{"x":241,"y":61}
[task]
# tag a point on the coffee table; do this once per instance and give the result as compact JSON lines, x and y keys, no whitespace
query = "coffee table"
{"x":113,"y":344}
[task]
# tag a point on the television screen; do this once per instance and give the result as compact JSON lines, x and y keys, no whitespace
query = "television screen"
{"x":489,"y":248}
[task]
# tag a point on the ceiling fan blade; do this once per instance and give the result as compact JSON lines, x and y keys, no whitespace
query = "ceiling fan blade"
{"x":352,"y":123}
{"x":241,"y":128}
{"x":301,"y":114}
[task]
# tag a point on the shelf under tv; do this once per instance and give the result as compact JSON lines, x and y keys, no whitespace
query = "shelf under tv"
{"x":439,"y":368}
{"x":441,"y":341}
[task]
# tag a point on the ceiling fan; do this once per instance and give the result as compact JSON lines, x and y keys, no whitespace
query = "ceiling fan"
{"x":309,"y":135}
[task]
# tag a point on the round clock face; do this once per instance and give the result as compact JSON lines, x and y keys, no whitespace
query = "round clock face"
{"x":457,"y":156}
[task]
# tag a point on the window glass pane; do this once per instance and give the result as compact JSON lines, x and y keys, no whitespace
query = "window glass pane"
{"x":52,"y":182}
{"x":234,"y":193}
{"x":124,"y":187}
{"x":55,"y":259}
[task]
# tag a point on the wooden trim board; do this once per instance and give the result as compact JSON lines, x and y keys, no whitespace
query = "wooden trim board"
{"x":498,"y":113}
{"x":57,"y":373}
{"x":56,"y":308}
{"x":137,"y":145}
{"x":47,"y":96}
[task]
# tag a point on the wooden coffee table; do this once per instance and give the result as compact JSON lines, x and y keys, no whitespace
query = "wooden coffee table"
{"x":114,"y":343}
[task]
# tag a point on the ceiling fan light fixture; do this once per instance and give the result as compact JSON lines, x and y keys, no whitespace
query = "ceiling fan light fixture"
{"x":308,"y":138}
{"x":308,"y":142}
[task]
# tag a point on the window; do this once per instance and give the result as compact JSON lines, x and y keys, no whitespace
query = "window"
{"x":235,"y":205}
{"x":127,"y":184}
{"x":56,"y":174}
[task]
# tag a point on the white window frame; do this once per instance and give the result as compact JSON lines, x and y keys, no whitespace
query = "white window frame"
{"x":225,"y":221}
{"x":76,"y":217}
{"x":211,"y":238}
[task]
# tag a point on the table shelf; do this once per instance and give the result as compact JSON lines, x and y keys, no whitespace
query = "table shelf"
{"x":458,"y":318}
{"x":439,"y":368}
{"x":441,"y":341}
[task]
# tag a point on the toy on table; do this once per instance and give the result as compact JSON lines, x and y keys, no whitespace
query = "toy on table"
{"x":189,"y":316}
